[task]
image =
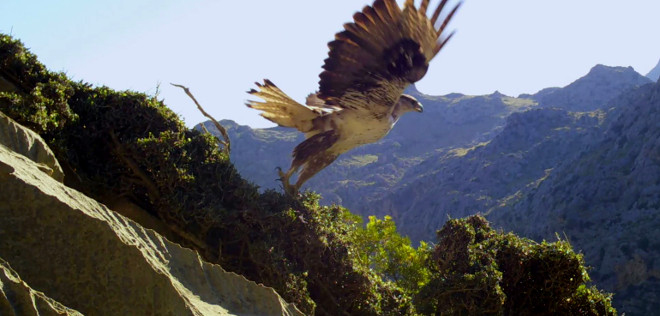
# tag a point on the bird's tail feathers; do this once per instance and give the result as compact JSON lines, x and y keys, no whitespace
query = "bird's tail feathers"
{"x":280,"y":108}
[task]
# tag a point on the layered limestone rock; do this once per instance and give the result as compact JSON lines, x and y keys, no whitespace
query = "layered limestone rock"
{"x":87,"y":257}
{"x":29,"y":144}
{"x":17,"y":298}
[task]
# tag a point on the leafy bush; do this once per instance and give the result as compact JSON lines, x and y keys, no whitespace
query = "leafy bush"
{"x":29,"y":93}
{"x":382,"y":249}
{"x":478,"y":271}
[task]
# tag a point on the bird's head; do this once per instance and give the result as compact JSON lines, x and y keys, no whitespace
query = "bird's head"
{"x":408,"y":103}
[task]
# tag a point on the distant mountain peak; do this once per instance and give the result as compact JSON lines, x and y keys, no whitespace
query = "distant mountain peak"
{"x":605,"y":82}
{"x":454,"y":95}
{"x":229,"y":123}
{"x":412,"y":90}
{"x":601,"y":69}
{"x":654,"y":74}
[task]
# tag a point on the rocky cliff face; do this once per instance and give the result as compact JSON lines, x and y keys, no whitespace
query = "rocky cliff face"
{"x":89,"y":258}
{"x":606,"y":199}
{"x":473,"y":180}
{"x":18,"y":298}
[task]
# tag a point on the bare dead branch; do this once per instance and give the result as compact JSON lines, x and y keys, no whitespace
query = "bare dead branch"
{"x":226,"y":143}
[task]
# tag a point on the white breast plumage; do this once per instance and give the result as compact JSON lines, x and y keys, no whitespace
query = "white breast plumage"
{"x":358,"y":129}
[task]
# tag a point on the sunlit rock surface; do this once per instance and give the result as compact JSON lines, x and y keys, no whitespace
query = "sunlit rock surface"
{"x":91,"y":259}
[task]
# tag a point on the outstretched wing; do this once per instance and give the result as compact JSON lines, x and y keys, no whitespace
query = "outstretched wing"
{"x":384,"y":50}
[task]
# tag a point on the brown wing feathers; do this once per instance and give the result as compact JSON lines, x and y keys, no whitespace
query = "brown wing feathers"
{"x":384,"y":45}
{"x":354,"y":56}
{"x":423,"y":6}
{"x":444,"y":25}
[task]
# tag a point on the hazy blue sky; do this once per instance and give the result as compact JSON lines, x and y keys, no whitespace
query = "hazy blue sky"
{"x":219,"y":48}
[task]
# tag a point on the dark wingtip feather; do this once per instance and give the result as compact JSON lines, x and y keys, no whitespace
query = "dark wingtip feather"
{"x":361,"y":19}
{"x":269,"y":83}
{"x":380,"y":9}
{"x":378,"y":3}
{"x":370,"y":12}
{"x":448,"y":18}
{"x":437,"y":11}
{"x":442,"y":44}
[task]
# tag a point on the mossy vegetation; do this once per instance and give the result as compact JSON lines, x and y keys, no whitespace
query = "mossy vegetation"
{"x":322,"y":258}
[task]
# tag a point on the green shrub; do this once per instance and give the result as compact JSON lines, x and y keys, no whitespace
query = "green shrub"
{"x":478,"y":271}
{"x":381,"y":249}
{"x":29,"y":93}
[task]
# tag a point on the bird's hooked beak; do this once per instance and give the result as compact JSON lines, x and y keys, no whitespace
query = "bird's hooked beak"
{"x":418,"y":107}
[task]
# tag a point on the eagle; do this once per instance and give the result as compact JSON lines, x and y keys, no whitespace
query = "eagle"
{"x":360,"y":97}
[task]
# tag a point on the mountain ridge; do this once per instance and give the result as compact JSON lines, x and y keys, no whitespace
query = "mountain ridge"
{"x":482,"y":154}
{"x":605,"y":199}
{"x":602,"y":82}
{"x":449,"y":122}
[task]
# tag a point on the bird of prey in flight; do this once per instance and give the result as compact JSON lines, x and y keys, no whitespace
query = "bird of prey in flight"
{"x":360,"y":98}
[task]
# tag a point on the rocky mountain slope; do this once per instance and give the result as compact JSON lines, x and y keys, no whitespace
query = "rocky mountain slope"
{"x":449,"y":124}
{"x":654,"y":74}
{"x":463,"y":181}
{"x":606,"y":199}
{"x":471,"y":180}
{"x":592,"y":91}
